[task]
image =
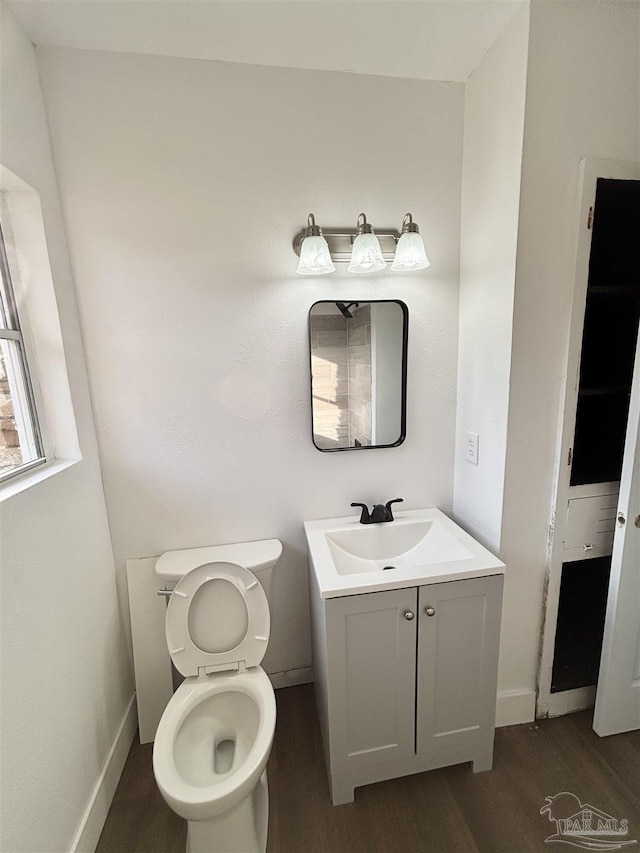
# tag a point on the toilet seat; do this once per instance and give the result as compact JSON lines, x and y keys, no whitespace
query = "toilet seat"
{"x":217,"y":620}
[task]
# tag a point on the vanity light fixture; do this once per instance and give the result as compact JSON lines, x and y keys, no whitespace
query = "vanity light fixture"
{"x":410,"y":253}
{"x":364,"y":251}
{"x":315,"y":257}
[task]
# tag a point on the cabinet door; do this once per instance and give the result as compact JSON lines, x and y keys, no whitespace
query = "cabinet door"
{"x":458,"y":641}
{"x":372,"y":648}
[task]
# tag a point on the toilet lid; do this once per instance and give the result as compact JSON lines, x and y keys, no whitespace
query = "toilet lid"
{"x":218,"y":618}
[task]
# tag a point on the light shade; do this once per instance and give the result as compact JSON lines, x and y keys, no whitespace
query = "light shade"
{"x":315,"y":258}
{"x":366,"y":255}
{"x":410,"y":253}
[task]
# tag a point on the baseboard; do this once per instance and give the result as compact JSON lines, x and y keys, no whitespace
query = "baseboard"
{"x":291,"y":677}
{"x":95,"y":814}
{"x":515,"y":707}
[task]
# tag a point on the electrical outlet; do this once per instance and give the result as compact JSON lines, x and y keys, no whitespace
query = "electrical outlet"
{"x":473,"y":447}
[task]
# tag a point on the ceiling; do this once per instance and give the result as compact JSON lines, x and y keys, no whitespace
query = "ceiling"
{"x":423,"y":39}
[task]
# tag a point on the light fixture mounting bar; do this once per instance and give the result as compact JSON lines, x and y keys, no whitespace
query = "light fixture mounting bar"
{"x":340,"y":241}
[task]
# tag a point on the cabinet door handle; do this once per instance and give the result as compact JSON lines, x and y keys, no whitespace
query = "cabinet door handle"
{"x":430,"y":611}
{"x":409,"y":615}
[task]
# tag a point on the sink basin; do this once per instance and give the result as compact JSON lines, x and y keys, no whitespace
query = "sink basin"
{"x":394,"y":545}
{"x":419,"y":546}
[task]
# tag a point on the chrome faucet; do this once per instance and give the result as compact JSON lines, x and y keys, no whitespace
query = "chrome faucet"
{"x":379,"y":514}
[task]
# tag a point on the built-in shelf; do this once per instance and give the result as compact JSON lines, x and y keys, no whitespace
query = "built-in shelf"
{"x":604,"y":389}
{"x":613,"y":289}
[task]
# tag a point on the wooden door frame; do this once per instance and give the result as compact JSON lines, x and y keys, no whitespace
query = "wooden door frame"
{"x":554,"y":704}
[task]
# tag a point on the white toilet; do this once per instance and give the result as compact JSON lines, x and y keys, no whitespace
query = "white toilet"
{"x":214,"y":738}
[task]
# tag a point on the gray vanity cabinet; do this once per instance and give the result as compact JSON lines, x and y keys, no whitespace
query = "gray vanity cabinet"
{"x":373,"y":677}
{"x":405,"y":679}
{"x":458,"y":640}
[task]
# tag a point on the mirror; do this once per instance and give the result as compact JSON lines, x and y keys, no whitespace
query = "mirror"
{"x":358,"y":374}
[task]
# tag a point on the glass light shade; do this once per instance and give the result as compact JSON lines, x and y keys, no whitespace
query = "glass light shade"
{"x":366,"y":255}
{"x":315,"y":258}
{"x":410,"y":254}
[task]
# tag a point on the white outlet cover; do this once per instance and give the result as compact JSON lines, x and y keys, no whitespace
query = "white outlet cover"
{"x":473,"y":447}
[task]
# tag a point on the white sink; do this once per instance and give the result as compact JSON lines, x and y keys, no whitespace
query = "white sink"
{"x":419,"y":546}
{"x":390,"y":546}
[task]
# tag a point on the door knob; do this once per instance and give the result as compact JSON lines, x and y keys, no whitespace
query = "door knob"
{"x":637,"y":521}
{"x":430,"y":611}
{"x":621,"y":519}
{"x":409,"y":615}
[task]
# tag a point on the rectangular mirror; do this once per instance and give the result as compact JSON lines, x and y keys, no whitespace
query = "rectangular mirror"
{"x":358,"y":373}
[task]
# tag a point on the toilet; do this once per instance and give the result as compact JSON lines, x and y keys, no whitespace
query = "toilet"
{"x":215,"y":735}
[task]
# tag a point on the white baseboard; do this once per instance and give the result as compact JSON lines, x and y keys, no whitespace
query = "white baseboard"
{"x":515,"y":707}
{"x":95,"y":814}
{"x":291,"y":677}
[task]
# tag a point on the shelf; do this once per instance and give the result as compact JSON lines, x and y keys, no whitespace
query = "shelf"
{"x":604,"y":390}
{"x":612,"y":289}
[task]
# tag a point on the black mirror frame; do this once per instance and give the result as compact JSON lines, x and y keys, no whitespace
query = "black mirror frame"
{"x":403,"y":404}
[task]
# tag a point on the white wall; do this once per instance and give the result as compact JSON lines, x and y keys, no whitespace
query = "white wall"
{"x":65,"y":673}
{"x":183,"y":183}
{"x":582,"y":101}
{"x":492,"y":160}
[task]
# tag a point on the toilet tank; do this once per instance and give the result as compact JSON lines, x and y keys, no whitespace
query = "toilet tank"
{"x":259,"y":557}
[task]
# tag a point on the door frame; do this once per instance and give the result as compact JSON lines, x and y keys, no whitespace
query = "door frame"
{"x":554,"y":704}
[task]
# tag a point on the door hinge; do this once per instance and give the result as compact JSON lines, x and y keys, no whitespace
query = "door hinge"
{"x":590,"y":218}
{"x":570,"y":457}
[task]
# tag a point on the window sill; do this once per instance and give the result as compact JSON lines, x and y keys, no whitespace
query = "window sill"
{"x":16,"y":486}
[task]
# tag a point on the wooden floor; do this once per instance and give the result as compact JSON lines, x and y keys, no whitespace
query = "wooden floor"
{"x":436,"y":812}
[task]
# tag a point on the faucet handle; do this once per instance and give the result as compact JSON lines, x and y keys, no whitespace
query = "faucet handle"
{"x":388,"y":506}
{"x":364,"y":515}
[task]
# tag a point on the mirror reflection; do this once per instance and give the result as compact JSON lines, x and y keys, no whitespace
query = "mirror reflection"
{"x":358,"y":373}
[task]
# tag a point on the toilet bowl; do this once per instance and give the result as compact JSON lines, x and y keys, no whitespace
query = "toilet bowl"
{"x":215,"y":735}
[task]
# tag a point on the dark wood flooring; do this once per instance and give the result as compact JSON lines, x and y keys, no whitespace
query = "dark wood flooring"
{"x":436,"y":812}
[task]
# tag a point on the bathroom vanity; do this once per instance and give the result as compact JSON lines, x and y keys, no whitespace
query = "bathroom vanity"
{"x":406,"y":628}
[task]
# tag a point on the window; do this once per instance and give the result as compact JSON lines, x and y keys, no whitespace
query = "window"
{"x":20,"y":439}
